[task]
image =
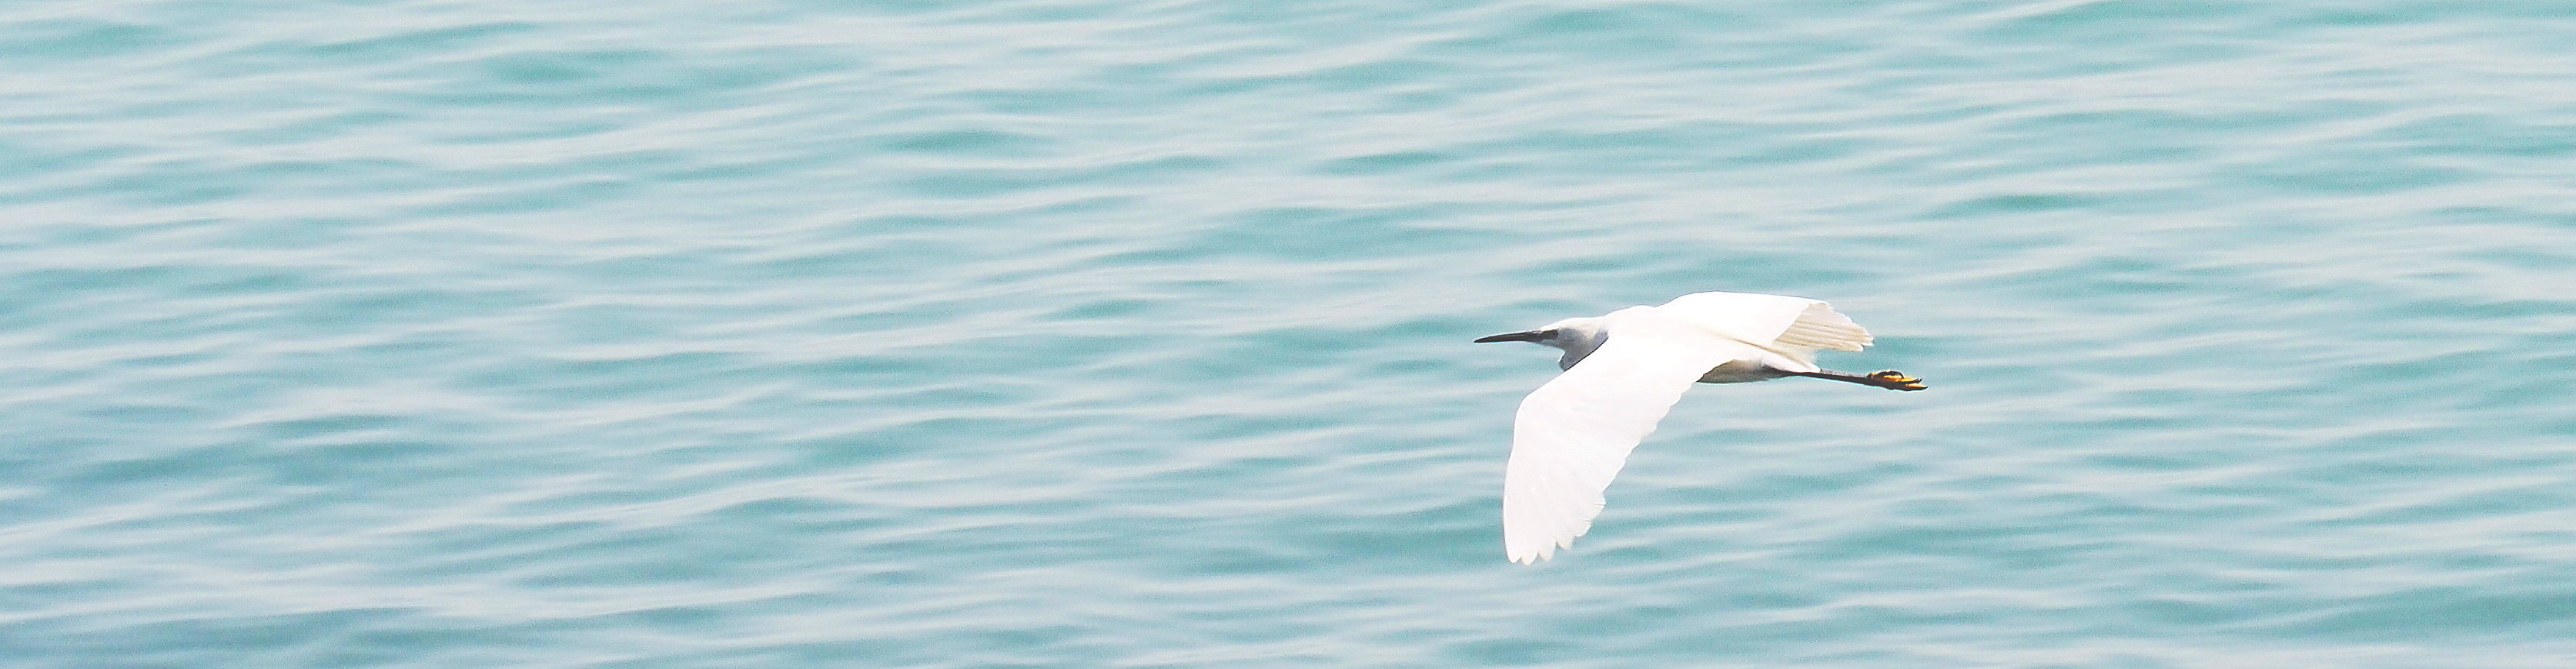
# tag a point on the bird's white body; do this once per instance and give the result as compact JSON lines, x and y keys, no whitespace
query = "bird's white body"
{"x":1623,"y":372}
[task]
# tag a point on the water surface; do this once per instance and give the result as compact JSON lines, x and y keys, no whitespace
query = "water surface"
{"x":1073,"y":334}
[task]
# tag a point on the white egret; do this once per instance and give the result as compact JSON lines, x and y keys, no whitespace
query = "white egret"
{"x":1624,"y":371}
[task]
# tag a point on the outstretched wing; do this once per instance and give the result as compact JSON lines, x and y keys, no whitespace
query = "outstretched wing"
{"x":1790,"y":328}
{"x":1572,"y":435}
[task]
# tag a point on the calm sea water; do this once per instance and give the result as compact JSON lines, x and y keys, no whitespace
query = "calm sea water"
{"x":1074,"y":333}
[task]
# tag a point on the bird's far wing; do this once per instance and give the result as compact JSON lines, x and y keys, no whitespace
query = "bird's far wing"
{"x":1793,"y":328}
{"x":1572,"y":435}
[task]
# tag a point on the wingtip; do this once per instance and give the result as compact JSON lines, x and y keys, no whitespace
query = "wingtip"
{"x":1526,"y":555}
{"x":1535,"y":554}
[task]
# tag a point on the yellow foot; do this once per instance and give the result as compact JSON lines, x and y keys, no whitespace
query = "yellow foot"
{"x":1896,"y":380}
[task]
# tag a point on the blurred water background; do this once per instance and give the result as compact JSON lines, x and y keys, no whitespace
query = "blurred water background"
{"x":1078,"y":333}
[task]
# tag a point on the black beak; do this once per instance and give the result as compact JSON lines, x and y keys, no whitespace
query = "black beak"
{"x":1533,"y":335}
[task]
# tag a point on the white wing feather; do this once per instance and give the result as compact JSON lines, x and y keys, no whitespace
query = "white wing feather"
{"x":1572,"y":435}
{"x":1792,"y":329}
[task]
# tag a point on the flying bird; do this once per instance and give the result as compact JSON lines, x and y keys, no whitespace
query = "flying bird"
{"x":1624,"y":371}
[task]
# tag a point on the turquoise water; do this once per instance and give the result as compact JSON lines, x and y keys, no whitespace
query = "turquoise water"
{"x":1071,"y":333}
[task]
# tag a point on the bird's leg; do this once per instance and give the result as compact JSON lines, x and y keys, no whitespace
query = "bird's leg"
{"x":1890,"y":379}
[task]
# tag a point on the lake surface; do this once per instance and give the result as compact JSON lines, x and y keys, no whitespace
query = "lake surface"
{"x":1075,"y":333}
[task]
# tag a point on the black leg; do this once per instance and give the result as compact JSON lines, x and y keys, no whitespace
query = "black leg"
{"x":1890,"y":379}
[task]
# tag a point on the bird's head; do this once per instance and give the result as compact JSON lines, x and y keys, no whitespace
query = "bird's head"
{"x":1559,"y":334}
